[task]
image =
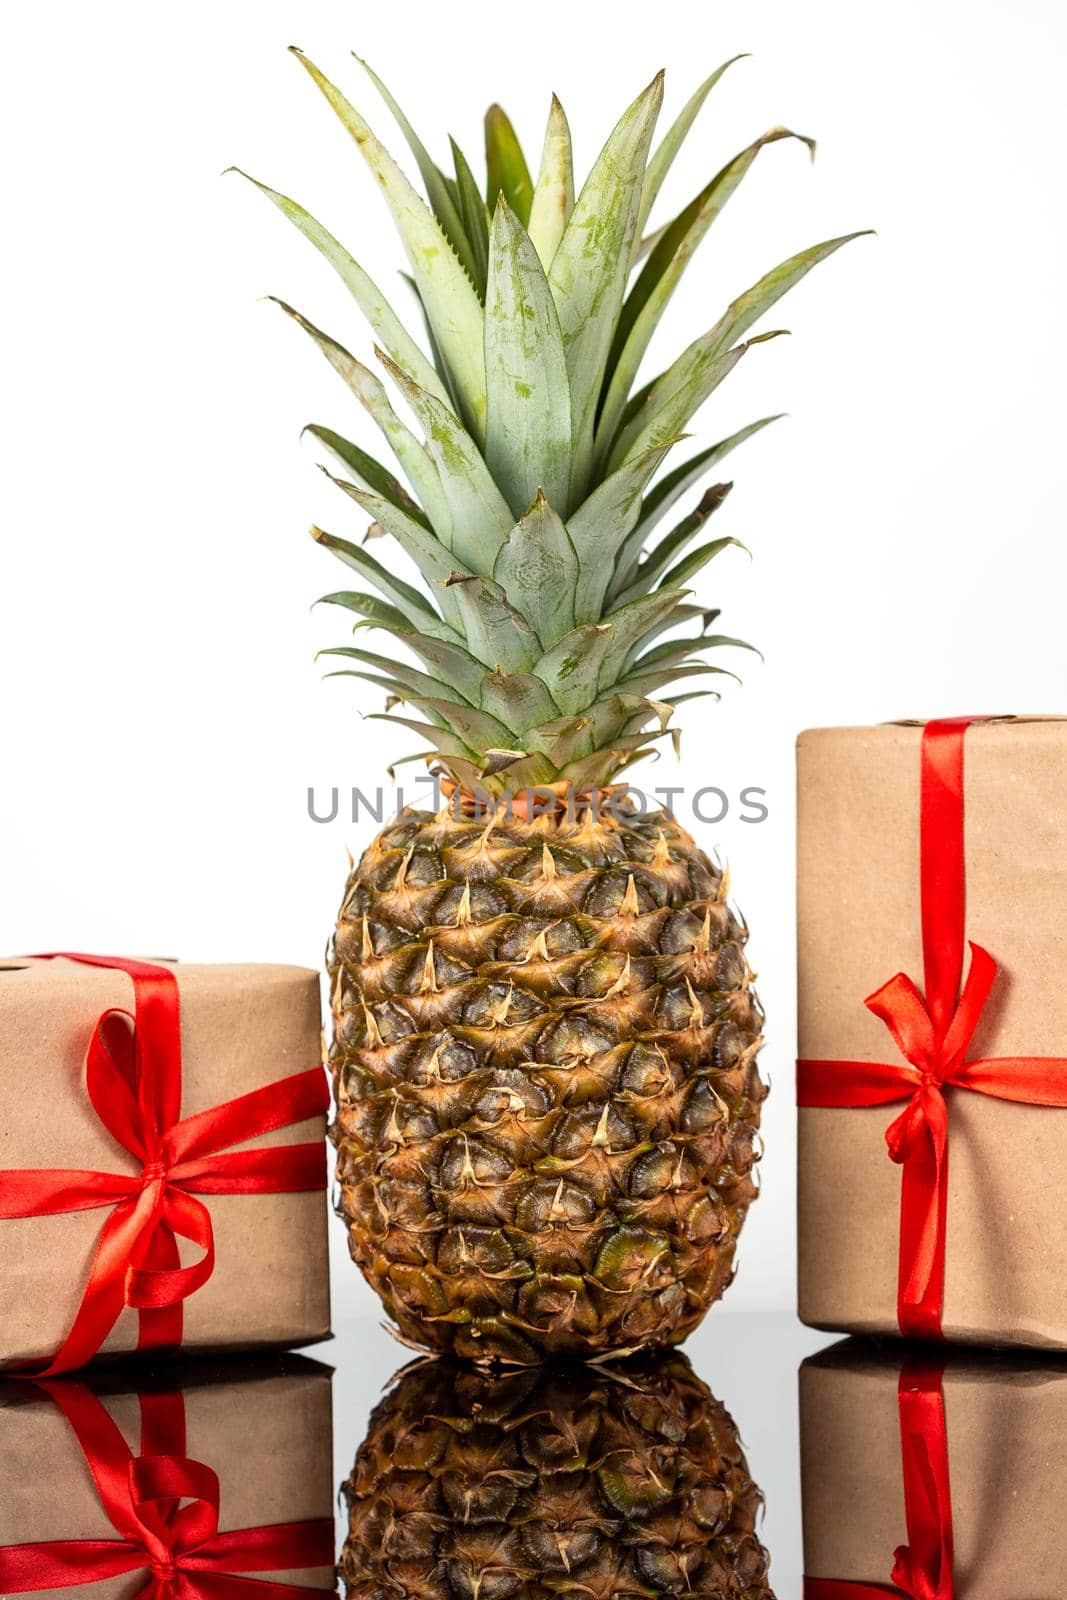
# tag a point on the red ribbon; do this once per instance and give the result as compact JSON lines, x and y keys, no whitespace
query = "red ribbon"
{"x":933,"y":1034}
{"x":133,"y":1073}
{"x":165,"y":1509}
{"x":922,"y":1568}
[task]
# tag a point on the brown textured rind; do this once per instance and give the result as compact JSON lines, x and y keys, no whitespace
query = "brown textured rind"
{"x":544,"y":1060}
{"x":592,"y":1481}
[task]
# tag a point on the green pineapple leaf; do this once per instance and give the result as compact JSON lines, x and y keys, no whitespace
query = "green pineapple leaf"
{"x":477,"y":729}
{"x":670,"y":654}
{"x":648,"y":299}
{"x":440,"y":365}
{"x":447,"y":293}
{"x":665,"y":412}
{"x":609,"y":718}
{"x":406,"y":681}
{"x":366,"y":471}
{"x":408,"y":601}
{"x":492,"y":628}
{"x":711,"y":346}
{"x":663,"y":495}
{"x":480,"y":516}
{"x":441,"y":739}
{"x":528,"y":419}
{"x":417,"y":542}
{"x":436,"y":184}
{"x":674,"y":543}
{"x":475,"y":218}
{"x":629,"y":624}
{"x":523,"y":770}
{"x":691,"y":564}
{"x":376,"y":612}
{"x":563,"y":740}
{"x":705,"y":615}
{"x":537,"y":568}
{"x":395,"y":692}
{"x":388,"y":330}
{"x":370,"y":392}
{"x":449,"y":663}
{"x":570,"y":669}
{"x":518,"y":699}
{"x":652,"y":682}
{"x":553,"y":199}
{"x":605,"y":764}
{"x":603,"y":522}
{"x":590,"y":268}
{"x":662,"y":157}
{"x":508,"y":173}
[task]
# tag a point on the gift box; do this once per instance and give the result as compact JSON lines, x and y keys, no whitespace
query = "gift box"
{"x":932,"y":985}
{"x":936,"y":1478}
{"x":185,"y":1486}
{"x":162,"y":1159}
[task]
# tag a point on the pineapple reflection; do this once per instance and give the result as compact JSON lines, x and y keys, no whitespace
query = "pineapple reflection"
{"x":581,"y":1480}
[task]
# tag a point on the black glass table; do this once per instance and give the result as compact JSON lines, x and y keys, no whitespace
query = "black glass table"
{"x":765,"y":1462}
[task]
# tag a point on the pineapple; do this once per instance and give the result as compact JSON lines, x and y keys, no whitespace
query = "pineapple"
{"x":588,"y":1481}
{"x":545,"y":1031}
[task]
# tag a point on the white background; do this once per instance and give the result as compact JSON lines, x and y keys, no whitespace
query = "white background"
{"x":163,"y":713}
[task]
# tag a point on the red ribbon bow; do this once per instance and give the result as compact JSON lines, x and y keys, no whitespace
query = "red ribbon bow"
{"x":933,"y":1035}
{"x":922,"y":1568}
{"x":133,"y":1072}
{"x":165,"y":1509}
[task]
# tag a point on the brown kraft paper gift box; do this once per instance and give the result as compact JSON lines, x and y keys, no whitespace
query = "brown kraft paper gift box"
{"x":242,"y":1027}
{"x":859,"y":923}
{"x":263,"y":1429}
{"x":1005,"y":1426}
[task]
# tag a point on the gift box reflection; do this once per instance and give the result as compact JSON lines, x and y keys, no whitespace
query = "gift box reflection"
{"x":620,"y":1480}
{"x":933,"y":1477}
{"x":197,"y":1486}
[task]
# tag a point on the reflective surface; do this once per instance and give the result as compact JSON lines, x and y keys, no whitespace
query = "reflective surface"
{"x":170,"y":1483}
{"x":940,"y":1470}
{"x":888,"y":1469}
{"x":745,"y":1363}
{"x":717,"y":1473}
{"x":619,"y":1481}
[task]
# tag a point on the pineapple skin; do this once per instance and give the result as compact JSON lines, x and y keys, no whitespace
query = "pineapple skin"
{"x":525,"y":1486}
{"x":544,"y":1062}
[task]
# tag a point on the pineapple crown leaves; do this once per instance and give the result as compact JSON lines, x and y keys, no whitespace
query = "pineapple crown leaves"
{"x":530,"y":495}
